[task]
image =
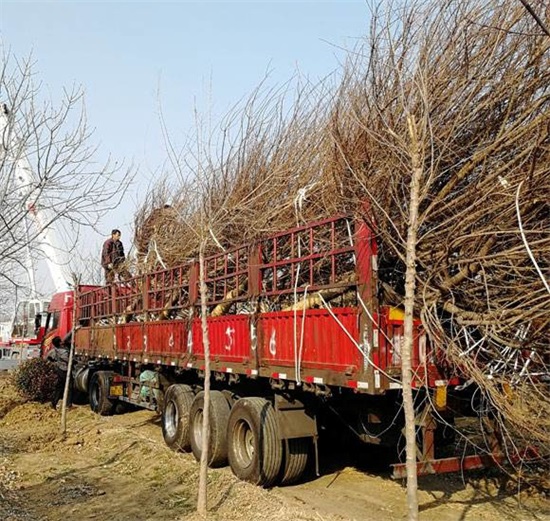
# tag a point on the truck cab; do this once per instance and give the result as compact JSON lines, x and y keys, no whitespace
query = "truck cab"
{"x":23,"y":336}
{"x":59,"y":317}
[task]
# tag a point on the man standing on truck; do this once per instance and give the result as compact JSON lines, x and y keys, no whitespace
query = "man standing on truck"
{"x":59,"y":355}
{"x":113,"y":258}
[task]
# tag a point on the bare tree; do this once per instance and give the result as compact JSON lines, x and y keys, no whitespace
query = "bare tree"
{"x":408,"y":340}
{"x":473,"y":74}
{"x":49,"y":170}
{"x":202,"y":505}
{"x":68,"y":383}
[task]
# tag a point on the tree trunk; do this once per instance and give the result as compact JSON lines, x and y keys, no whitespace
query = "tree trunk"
{"x":406,"y":365}
{"x":70,"y":364}
{"x":203,"y":472}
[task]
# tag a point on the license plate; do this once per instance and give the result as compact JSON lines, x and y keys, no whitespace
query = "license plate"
{"x":115,"y":390}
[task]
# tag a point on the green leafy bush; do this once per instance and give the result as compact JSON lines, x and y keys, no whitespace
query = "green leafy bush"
{"x":36,"y":379}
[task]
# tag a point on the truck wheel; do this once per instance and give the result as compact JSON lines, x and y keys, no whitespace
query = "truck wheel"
{"x":219,"y":419}
{"x":99,"y":393}
{"x":295,"y":459}
{"x":175,"y":417}
{"x":255,"y":451}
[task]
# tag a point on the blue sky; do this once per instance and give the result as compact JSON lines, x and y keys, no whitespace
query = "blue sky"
{"x":128,"y":56}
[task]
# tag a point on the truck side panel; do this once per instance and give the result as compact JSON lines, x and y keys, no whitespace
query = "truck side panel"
{"x":129,"y":340}
{"x":229,"y":338}
{"x":103,"y":342}
{"x":317,"y":340}
{"x":165,"y":339}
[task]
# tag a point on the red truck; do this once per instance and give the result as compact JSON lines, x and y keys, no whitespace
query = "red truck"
{"x":298,"y":339}
{"x":24,"y":334}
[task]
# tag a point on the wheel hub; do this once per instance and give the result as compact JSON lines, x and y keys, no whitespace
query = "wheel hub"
{"x":171,"y":419}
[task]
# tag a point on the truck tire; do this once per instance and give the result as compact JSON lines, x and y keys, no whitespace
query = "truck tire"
{"x":175,"y":417}
{"x":99,"y":393}
{"x":81,"y":378}
{"x":295,"y":459}
{"x":219,"y":419}
{"x":255,"y":451}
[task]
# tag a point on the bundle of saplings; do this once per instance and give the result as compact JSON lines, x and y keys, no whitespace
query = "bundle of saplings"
{"x":457,"y":92}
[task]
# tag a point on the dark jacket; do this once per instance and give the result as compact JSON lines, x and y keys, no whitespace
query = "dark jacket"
{"x":112,"y":253}
{"x":60,"y":357}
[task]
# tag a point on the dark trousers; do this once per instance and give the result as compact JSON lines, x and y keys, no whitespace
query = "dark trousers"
{"x":120,"y":270}
{"x":60,"y":389}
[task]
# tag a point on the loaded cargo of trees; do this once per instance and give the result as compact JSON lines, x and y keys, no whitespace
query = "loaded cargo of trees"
{"x":474,"y":76}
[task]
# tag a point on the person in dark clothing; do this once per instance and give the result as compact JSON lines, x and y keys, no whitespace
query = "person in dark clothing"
{"x":59,"y":355}
{"x":113,"y":259}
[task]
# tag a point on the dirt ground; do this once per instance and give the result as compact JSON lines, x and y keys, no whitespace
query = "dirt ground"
{"x":118,"y":469}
